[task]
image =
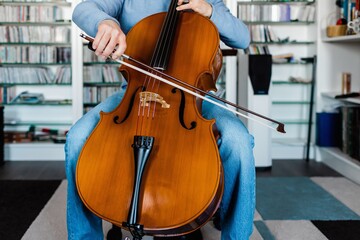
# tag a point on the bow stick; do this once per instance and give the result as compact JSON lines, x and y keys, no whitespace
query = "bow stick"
{"x":279,"y":128}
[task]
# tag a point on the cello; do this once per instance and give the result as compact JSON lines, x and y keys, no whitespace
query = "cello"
{"x":130,"y":171}
{"x":152,"y":165}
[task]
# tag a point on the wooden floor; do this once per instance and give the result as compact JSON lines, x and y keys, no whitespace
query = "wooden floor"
{"x":46,"y":170}
{"x":296,"y":168}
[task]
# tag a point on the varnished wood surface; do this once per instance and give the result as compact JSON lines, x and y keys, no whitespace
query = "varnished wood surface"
{"x":184,"y":169}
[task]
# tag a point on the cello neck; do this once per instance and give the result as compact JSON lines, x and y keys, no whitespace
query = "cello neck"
{"x":165,"y":41}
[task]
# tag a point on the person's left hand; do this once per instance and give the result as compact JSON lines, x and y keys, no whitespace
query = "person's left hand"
{"x":199,"y":6}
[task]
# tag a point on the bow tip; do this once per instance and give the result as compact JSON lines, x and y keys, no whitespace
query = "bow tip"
{"x":281,"y":128}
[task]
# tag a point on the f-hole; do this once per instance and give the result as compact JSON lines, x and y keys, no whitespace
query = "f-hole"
{"x":116,"y":118}
{"x":182,"y":110}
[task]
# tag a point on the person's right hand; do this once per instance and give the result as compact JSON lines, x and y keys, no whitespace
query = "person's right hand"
{"x":108,"y":37}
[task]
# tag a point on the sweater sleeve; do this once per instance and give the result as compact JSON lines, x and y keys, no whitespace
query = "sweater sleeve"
{"x":88,"y":14}
{"x":233,"y":32}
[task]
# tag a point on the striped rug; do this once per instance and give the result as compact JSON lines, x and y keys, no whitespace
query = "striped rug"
{"x":288,"y":208}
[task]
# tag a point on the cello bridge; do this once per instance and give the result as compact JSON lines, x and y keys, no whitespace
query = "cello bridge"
{"x":147,"y":97}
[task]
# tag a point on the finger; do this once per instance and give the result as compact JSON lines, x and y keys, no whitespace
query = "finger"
{"x":184,"y":7}
{"x":181,"y":2}
{"x":110,"y":46}
{"x":100,"y":41}
{"x":97,"y":39}
{"x":102,"y":44}
{"x":120,"y":48}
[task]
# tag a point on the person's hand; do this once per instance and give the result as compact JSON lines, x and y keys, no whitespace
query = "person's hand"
{"x":199,"y":6}
{"x":108,"y":37}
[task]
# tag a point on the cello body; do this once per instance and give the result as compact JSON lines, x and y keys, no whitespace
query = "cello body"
{"x":153,"y":161}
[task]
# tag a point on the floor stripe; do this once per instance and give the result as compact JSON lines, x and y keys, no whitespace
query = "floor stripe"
{"x":257,"y":216}
{"x":51,"y":221}
{"x":294,"y":230}
{"x":264,"y":230}
{"x":343,"y":189}
{"x":255,"y":234}
{"x":298,"y":198}
{"x":336,"y":230}
{"x":20,"y":203}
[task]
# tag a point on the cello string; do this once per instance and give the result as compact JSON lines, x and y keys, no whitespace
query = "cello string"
{"x":157,"y":90}
{"x":169,"y":30}
{"x":145,"y":117}
{"x":160,"y":57}
{"x":142,"y":107}
{"x":151,"y":82}
{"x":169,"y":26}
{"x":165,"y":33}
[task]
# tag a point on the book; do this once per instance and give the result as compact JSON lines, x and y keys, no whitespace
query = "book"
{"x":350,"y":128}
{"x":282,"y":56}
{"x":28,"y":98}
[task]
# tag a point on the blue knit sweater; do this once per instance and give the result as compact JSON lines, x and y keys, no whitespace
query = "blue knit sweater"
{"x":88,"y":14}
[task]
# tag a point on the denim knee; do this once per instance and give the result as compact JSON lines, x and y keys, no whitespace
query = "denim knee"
{"x":78,"y":134}
{"x":76,"y":138}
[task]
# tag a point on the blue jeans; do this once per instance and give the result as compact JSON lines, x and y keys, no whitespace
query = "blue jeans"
{"x":235,"y":145}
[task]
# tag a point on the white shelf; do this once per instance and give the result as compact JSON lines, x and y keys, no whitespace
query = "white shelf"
{"x":291,"y":148}
{"x":332,"y":95}
{"x":290,"y":141}
{"x":34,"y":151}
{"x":341,"y":162}
{"x":350,"y":38}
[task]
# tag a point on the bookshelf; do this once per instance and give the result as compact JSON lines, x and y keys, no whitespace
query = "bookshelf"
{"x":335,"y":56}
{"x":285,"y":28}
{"x":1,"y":134}
{"x":35,"y":50}
{"x":101,"y":79}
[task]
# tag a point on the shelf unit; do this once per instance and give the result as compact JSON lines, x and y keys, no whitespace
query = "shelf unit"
{"x":341,"y":162}
{"x":289,"y":101}
{"x":35,"y":52}
{"x":335,"y":56}
{"x":333,"y":156}
{"x":100,"y":79}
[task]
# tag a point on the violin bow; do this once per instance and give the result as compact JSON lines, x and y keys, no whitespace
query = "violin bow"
{"x":279,"y":128}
